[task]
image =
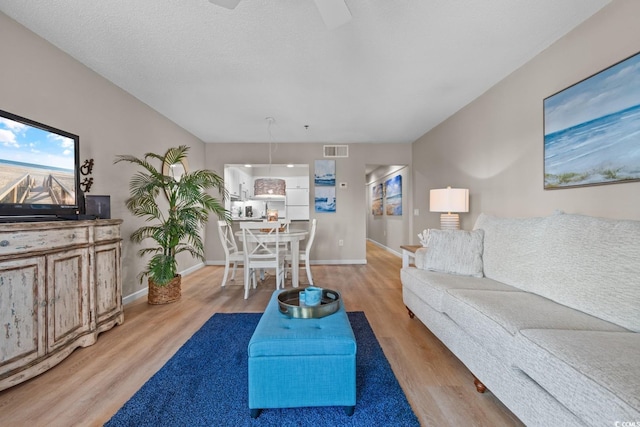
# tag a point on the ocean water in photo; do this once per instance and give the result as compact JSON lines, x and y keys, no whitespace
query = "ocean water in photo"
{"x":600,"y":150}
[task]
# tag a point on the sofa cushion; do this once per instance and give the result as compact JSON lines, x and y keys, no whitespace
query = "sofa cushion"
{"x":431,"y":287}
{"x":586,"y":263}
{"x":495,"y":317}
{"x":595,"y":374}
{"x":452,"y":251}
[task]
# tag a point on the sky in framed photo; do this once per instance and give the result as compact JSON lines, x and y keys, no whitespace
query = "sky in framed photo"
{"x":592,"y":129}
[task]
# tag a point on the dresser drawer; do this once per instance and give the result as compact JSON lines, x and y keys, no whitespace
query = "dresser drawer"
{"x":106,"y":232}
{"x":21,"y":241}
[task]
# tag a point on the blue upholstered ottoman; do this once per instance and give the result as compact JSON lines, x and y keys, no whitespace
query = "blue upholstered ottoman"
{"x":302,"y":362}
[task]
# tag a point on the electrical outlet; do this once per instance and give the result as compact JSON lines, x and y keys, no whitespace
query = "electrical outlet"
{"x":416,"y":212}
{"x":340,"y":242}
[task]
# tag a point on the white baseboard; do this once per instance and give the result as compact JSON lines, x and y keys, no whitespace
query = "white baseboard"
{"x":144,"y":291}
{"x":190,"y":270}
{"x":134,"y":296}
{"x":396,"y":253}
{"x":338,"y":261}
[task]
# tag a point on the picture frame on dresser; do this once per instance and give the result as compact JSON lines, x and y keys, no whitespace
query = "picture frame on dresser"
{"x":592,"y":129}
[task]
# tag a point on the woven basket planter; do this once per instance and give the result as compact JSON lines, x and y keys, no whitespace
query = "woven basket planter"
{"x":169,"y":293}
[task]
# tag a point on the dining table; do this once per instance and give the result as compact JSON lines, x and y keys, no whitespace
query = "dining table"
{"x":292,"y":236}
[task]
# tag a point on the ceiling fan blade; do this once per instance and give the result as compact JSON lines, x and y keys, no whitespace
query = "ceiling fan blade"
{"x":334,"y":12}
{"x":229,"y":4}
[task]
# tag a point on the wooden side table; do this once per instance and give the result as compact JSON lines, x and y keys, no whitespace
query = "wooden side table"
{"x":408,"y":252}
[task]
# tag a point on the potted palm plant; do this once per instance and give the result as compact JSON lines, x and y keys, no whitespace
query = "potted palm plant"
{"x":176,"y":206}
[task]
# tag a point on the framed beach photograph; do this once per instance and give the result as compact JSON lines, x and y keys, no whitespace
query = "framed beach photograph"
{"x":325,"y":199}
{"x":376,"y":200}
{"x":393,"y":195}
{"x":592,"y":129}
{"x":325,"y":173}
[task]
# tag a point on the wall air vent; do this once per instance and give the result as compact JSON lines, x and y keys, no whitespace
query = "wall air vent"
{"x":336,"y":151}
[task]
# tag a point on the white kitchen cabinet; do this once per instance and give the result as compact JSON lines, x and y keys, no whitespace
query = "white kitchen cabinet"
{"x":297,"y":182}
{"x":232,"y":182}
{"x":298,"y":196}
{"x":298,"y":213}
{"x":245,"y":183}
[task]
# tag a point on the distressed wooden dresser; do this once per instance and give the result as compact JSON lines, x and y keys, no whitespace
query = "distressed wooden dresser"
{"x":60,"y":286}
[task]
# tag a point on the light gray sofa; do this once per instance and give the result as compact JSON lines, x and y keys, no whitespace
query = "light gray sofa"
{"x":545,"y":312}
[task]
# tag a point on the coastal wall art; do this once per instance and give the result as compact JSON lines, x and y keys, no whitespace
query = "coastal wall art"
{"x":592,"y":129}
{"x":324,"y":178}
{"x":393,"y":195}
{"x":376,"y":199}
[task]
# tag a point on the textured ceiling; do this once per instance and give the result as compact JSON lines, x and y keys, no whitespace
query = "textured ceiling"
{"x":392,"y":73}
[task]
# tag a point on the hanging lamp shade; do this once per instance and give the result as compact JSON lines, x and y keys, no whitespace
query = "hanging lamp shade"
{"x":269,"y":187}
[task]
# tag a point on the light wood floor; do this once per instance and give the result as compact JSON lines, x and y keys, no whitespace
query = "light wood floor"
{"x":89,"y":386}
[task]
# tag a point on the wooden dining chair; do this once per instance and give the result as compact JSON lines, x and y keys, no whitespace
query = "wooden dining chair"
{"x":262,"y":250}
{"x":231,"y":252}
{"x":305,"y":255}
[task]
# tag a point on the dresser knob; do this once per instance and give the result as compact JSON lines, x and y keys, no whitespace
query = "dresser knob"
{"x":4,"y":243}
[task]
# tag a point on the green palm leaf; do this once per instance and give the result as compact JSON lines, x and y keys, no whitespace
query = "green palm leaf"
{"x":176,"y":227}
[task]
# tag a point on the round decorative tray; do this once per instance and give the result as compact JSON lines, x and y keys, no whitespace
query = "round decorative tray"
{"x":289,"y":304}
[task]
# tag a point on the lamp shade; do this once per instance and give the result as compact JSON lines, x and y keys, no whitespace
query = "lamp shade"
{"x":449,"y":200}
{"x":269,"y":187}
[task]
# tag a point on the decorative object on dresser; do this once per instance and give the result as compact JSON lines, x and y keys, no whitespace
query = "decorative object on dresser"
{"x":97,"y":206}
{"x":176,"y":228}
{"x":86,"y":169}
{"x":60,"y":286}
{"x":449,"y":201}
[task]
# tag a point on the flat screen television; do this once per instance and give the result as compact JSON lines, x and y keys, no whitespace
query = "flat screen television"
{"x":39,"y":167}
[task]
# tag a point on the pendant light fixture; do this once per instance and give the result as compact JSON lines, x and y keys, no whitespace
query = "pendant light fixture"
{"x":269,"y":187}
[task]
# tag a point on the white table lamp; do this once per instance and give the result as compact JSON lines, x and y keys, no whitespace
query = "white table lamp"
{"x":449,"y":201}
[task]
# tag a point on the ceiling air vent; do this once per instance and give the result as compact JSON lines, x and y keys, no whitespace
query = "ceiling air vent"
{"x":336,"y":150}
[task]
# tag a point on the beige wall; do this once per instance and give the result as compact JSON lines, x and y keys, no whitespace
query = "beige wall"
{"x":349,"y":221}
{"x":494,"y":146}
{"x":42,"y":83}
{"x":46,"y":85}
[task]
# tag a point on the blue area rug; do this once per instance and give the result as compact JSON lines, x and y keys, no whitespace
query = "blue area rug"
{"x":206,"y":384}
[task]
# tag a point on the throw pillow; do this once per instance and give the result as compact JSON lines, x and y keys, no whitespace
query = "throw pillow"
{"x":454,"y":252}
